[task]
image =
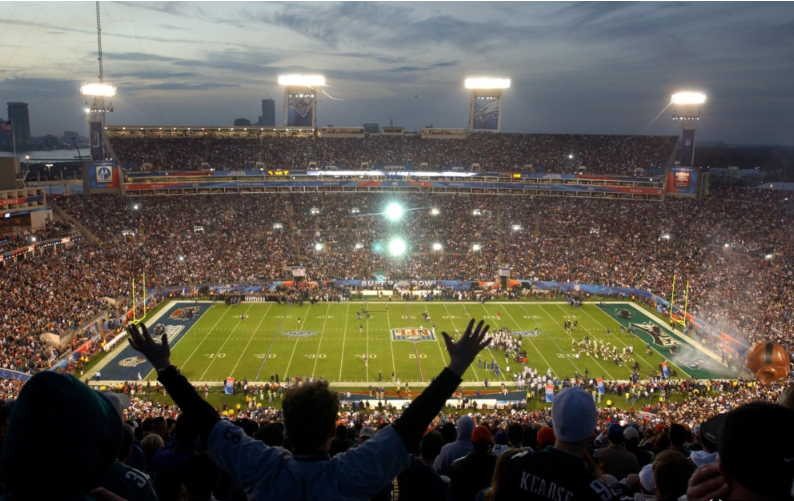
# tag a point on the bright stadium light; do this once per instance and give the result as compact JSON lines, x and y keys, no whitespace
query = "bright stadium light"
{"x":32,"y":239}
{"x":688,"y":98}
{"x":359,"y":246}
{"x":476,"y":247}
{"x":135,"y":206}
{"x":301,"y":80}
{"x":394,"y":212}
{"x":516,"y":227}
{"x":435,"y":212}
{"x":318,"y":246}
{"x":436,"y":246}
{"x":99,"y":90}
{"x":487,"y":83}
{"x":397,"y":247}
{"x":768,"y":256}
{"x":181,"y":258}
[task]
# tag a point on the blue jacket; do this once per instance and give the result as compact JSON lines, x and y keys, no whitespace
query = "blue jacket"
{"x":271,"y":473}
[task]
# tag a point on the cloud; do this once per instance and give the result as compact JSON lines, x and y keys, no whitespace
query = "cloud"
{"x":180,"y":86}
{"x":41,"y":86}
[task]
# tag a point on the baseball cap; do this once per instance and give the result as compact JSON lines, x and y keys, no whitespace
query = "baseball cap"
{"x":646,"y":478}
{"x":366,"y":432}
{"x":120,"y":401}
{"x":480,"y":435}
{"x":615,"y":433}
{"x":710,"y":431}
{"x":763,"y":463}
{"x":574,"y":414}
{"x":500,"y":438}
{"x":631,"y":434}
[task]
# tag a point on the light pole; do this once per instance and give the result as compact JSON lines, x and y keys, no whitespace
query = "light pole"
{"x":687,"y":109}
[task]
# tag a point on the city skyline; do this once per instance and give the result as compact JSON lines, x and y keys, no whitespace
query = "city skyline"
{"x":575,"y":68}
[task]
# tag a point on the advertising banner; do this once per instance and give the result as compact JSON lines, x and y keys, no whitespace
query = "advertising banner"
{"x":688,"y":147}
{"x":486,"y":113}
{"x":683,"y":180}
{"x":301,"y":111}
{"x":549,"y":392}
{"x":95,"y":138}
{"x":103,"y":174}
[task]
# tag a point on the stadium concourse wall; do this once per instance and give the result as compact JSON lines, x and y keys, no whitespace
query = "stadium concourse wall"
{"x":391,"y":178}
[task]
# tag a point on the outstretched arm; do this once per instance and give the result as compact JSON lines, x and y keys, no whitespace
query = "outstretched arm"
{"x":414,"y":421}
{"x":179,"y":388}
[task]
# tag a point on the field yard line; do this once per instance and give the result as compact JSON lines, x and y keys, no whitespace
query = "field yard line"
{"x":489,"y":345}
{"x":391,"y":341}
{"x":286,"y":372}
{"x":533,"y":344}
{"x":205,"y":337}
{"x":344,"y":337}
{"x":550,"y":337}
{"x":328,"y":310}
{"x":269,"y":348}
{"x":571,"y":335}
{"x":252,"y":338}
{"x":239,"y":322}
{"x":664,"y":358}
{"x":416,"y":350}
{"x":455,"y":327}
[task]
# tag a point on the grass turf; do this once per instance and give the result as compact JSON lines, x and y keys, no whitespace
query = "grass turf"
{"x":221,"y":345}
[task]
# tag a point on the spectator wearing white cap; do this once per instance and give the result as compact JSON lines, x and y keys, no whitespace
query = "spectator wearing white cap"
{"x":559,"y":472}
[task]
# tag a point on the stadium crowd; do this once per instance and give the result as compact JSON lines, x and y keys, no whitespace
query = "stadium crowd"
{"x":695,"y":450}
{"x":603,"y":154}
{"x":734,"y":249}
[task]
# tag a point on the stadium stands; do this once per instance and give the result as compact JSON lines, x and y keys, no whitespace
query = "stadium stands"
{"x":503,"y":152}
{"x":734,"y":248}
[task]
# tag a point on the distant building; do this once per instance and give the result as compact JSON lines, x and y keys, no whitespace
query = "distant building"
{"x":69,"y":135}
{"x":241,"y":122}
{"x":268,"y":118}
{"x":20,"y":122}
{"x":50,"y":141}
{"x":372,"y":128}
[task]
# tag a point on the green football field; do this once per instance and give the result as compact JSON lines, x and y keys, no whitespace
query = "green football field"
{"x":327,"y":340}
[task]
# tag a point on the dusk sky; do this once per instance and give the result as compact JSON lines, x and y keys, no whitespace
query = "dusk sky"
{"x":602,"y":68}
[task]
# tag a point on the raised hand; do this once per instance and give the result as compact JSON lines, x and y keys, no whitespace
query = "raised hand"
{"x":707,"y":483}
{"x":463,"y":353}
{"x":158,"y":354}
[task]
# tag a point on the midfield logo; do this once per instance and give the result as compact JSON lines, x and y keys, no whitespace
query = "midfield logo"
{"x":413,"y":335}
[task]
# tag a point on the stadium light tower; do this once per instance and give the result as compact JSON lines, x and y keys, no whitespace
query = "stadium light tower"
{"x":300,"y":99}
{"x":97,"y":110}
{"x":687,"y":108}
{"x":485,"y":109}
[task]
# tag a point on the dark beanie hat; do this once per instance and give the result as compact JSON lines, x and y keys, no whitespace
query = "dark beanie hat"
{"x":761,"y":462}
{"x":61,"y":435}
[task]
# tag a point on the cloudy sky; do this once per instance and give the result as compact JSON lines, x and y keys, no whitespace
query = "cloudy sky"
{"x":575,"y":67}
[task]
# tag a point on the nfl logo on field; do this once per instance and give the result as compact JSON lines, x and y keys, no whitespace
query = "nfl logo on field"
{"x":104,"y":173}
{"x":413,"y":335}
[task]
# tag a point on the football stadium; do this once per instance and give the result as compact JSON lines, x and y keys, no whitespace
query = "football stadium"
{"x":379,"y":312}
